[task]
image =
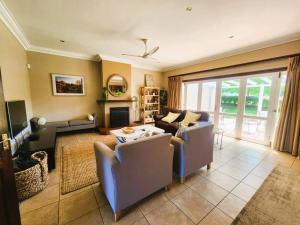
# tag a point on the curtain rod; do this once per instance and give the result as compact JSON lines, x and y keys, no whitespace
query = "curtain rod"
{"x":236,"y":65}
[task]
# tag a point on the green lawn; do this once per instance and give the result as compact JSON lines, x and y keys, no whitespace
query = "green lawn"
{"x":250,"y":110}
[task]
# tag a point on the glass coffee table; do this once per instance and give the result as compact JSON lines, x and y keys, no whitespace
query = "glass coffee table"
{"x":146,"y":130}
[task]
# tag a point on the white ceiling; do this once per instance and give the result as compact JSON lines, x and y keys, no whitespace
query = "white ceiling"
{"x":113,"y":27}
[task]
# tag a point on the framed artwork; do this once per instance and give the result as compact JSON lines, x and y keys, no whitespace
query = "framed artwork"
{"x":149,"y":81}
{"x":67,"y":84}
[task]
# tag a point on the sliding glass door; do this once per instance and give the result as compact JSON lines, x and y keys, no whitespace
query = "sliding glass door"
{"x":228,"y":112}
{"x":244,"y":107}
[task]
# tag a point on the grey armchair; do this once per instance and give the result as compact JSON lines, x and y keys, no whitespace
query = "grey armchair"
{"x":134,"y":170}
{"x":193,"y":150}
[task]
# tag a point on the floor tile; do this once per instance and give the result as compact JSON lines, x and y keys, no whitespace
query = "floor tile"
{"x":99,"y":194}
{"x":76,"y":206}
{"x":233,"y":172}
{"x":216,"y":217}
{"x":129,"y":217}
{"x":152,"y":202}
{"x":142,"y":221}
{"x":168,"y":214}
{"x":226,"y":182}
{"x":231,"y":205}
{"x":261,"y":172}
{"x":174,"y":189}
{"x":193,"y":205}
{"x":47,"y":215}
{"x":210,"y":191}
{"x":244,"y":191}
{"x":45,"y":197}
{"x":253,"y":181}
{"x":237,"y":163}
{"x":91,"y":218}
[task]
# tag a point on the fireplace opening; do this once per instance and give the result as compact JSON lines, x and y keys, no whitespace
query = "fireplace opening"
{"x":118,"y":116}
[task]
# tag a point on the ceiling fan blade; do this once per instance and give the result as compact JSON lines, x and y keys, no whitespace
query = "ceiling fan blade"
{"x":133,"y":55}
{"x":152,"y":51}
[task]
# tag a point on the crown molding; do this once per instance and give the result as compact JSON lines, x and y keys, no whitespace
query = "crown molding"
{"x":69,"y":54}
{"x":131,"y":62}
{"x":11,"y":23}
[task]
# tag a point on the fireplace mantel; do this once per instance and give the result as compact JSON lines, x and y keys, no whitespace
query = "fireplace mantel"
{"x":101,"y":101}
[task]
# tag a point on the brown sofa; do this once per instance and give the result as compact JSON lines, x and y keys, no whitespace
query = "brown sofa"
{"x":173,"y":127}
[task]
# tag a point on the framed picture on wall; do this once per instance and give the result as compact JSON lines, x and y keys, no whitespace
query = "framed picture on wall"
{"x":67,"y":84}
{"x":149,"y":82}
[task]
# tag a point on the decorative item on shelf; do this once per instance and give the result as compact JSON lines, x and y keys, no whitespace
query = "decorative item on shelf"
{"x":149,"y":103}
{"x":105,"y":94}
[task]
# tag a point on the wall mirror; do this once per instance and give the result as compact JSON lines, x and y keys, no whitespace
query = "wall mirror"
{"x":117,"y":85}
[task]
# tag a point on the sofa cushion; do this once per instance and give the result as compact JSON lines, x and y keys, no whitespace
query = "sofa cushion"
{"x":58,"y":124}
{"x":80,"y":122}
{"x":171,"y":117}
{"x":190,"y":117}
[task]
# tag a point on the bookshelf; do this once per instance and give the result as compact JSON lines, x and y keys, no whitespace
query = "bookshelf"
{"x":150,"y":103}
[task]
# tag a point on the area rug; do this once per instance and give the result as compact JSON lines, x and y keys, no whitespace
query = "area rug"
{"x":276,"y":202}
{"x":78,"y":160}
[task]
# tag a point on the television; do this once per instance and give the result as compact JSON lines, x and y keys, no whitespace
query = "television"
{"x":16,"y":116}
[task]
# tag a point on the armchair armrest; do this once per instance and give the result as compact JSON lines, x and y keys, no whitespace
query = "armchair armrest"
{"x":105,"y":157}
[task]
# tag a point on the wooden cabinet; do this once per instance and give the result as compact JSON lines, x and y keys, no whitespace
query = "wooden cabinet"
{"x":150,"y":103}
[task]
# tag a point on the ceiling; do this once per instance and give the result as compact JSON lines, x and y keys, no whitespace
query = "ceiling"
{"x":112,"y":27}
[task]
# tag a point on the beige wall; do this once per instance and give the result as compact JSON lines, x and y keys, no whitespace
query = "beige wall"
{"x":261,"y":54}
{"x":13,"y":64}
{"x":56,"y":108}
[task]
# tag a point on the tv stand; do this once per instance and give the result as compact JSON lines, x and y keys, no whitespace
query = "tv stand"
{"x":42,"y":139}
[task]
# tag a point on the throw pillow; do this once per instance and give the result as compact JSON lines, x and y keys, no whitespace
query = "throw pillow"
{"x":171,"y":117}
{"x":190,"y":117}
{"x":90,"y":117}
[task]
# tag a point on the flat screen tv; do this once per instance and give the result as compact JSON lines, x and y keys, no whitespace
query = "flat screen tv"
{"x":16,"y":115}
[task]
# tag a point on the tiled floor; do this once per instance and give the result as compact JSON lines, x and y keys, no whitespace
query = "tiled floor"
{"x":211,"y":197}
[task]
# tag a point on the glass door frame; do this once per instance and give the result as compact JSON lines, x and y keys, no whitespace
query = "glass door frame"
{"x":272,"y":110}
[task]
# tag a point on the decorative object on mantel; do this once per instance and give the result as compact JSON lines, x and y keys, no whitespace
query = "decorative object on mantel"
{"x":67,"y":84}
{"x":117,"y":85}
{"x":149,"y":82}
{"x":105,"y":94}
{"x":150,"y":103}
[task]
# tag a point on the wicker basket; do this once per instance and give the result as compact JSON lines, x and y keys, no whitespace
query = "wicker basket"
{"x":34,"y":179}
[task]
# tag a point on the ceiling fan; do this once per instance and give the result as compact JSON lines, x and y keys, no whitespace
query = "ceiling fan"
{"x":147,"y":53}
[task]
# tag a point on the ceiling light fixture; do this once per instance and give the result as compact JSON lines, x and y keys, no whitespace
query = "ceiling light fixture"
{"x":231,"y":36}
{"x":62,"y":41}
{"x":189,"y":8}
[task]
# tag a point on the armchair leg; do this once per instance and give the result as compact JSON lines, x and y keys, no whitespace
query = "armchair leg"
{"x":182,"y":179}
{"x":208,"y":166}
{"x":167,"y":188}
{"x":117,"y":216}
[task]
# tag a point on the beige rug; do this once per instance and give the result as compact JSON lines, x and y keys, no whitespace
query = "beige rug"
{"x":78,"y":160}
{"x":277,"y":201}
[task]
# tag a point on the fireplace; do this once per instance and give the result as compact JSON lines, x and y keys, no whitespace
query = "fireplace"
{"x":118,"y":116}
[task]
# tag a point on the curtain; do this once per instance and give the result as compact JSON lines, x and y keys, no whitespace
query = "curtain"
{"x":288,"y":130}
{"x":174,"y":87}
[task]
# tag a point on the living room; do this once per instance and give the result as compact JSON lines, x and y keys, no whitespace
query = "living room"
{"x":110,"y":115}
